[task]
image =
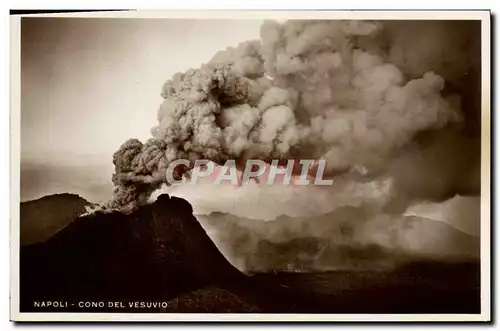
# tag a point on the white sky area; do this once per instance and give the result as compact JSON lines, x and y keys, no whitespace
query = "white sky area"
{"x":88,"y":85}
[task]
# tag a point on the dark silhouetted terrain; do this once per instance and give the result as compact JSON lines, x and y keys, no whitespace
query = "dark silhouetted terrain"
{"x":162,"y":253}
{"x":41,"y":218}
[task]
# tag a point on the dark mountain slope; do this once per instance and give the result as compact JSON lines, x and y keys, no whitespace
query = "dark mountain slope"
{"x":161,"y":253}
{"x":156,"y":253}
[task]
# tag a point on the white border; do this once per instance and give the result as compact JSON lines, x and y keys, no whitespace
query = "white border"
{"x":485,"y":315}
{"x":110,"y":317}
{"x":284,"y":14}
{"x":15,"y":160}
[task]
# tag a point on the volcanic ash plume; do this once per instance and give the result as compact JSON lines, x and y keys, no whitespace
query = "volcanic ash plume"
{"x":307,"y":89}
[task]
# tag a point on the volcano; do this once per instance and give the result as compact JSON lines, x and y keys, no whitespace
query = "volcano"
{"x":112,"y":262}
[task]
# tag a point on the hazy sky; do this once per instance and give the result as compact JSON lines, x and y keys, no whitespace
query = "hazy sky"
{"x":90,"y":84}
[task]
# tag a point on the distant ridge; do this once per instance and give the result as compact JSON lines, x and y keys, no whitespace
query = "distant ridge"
{"x":42,"y":218}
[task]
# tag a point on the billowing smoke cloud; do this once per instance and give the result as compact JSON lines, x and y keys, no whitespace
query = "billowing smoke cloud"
{"x":344,"y":226}
{"x":348,"y":238}
{"x":365,"y":96}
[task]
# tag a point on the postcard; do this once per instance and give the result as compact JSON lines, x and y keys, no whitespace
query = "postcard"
{"x":251,"y":166}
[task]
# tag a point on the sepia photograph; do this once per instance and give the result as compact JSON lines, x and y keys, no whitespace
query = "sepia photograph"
{"x":250,"y":166}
